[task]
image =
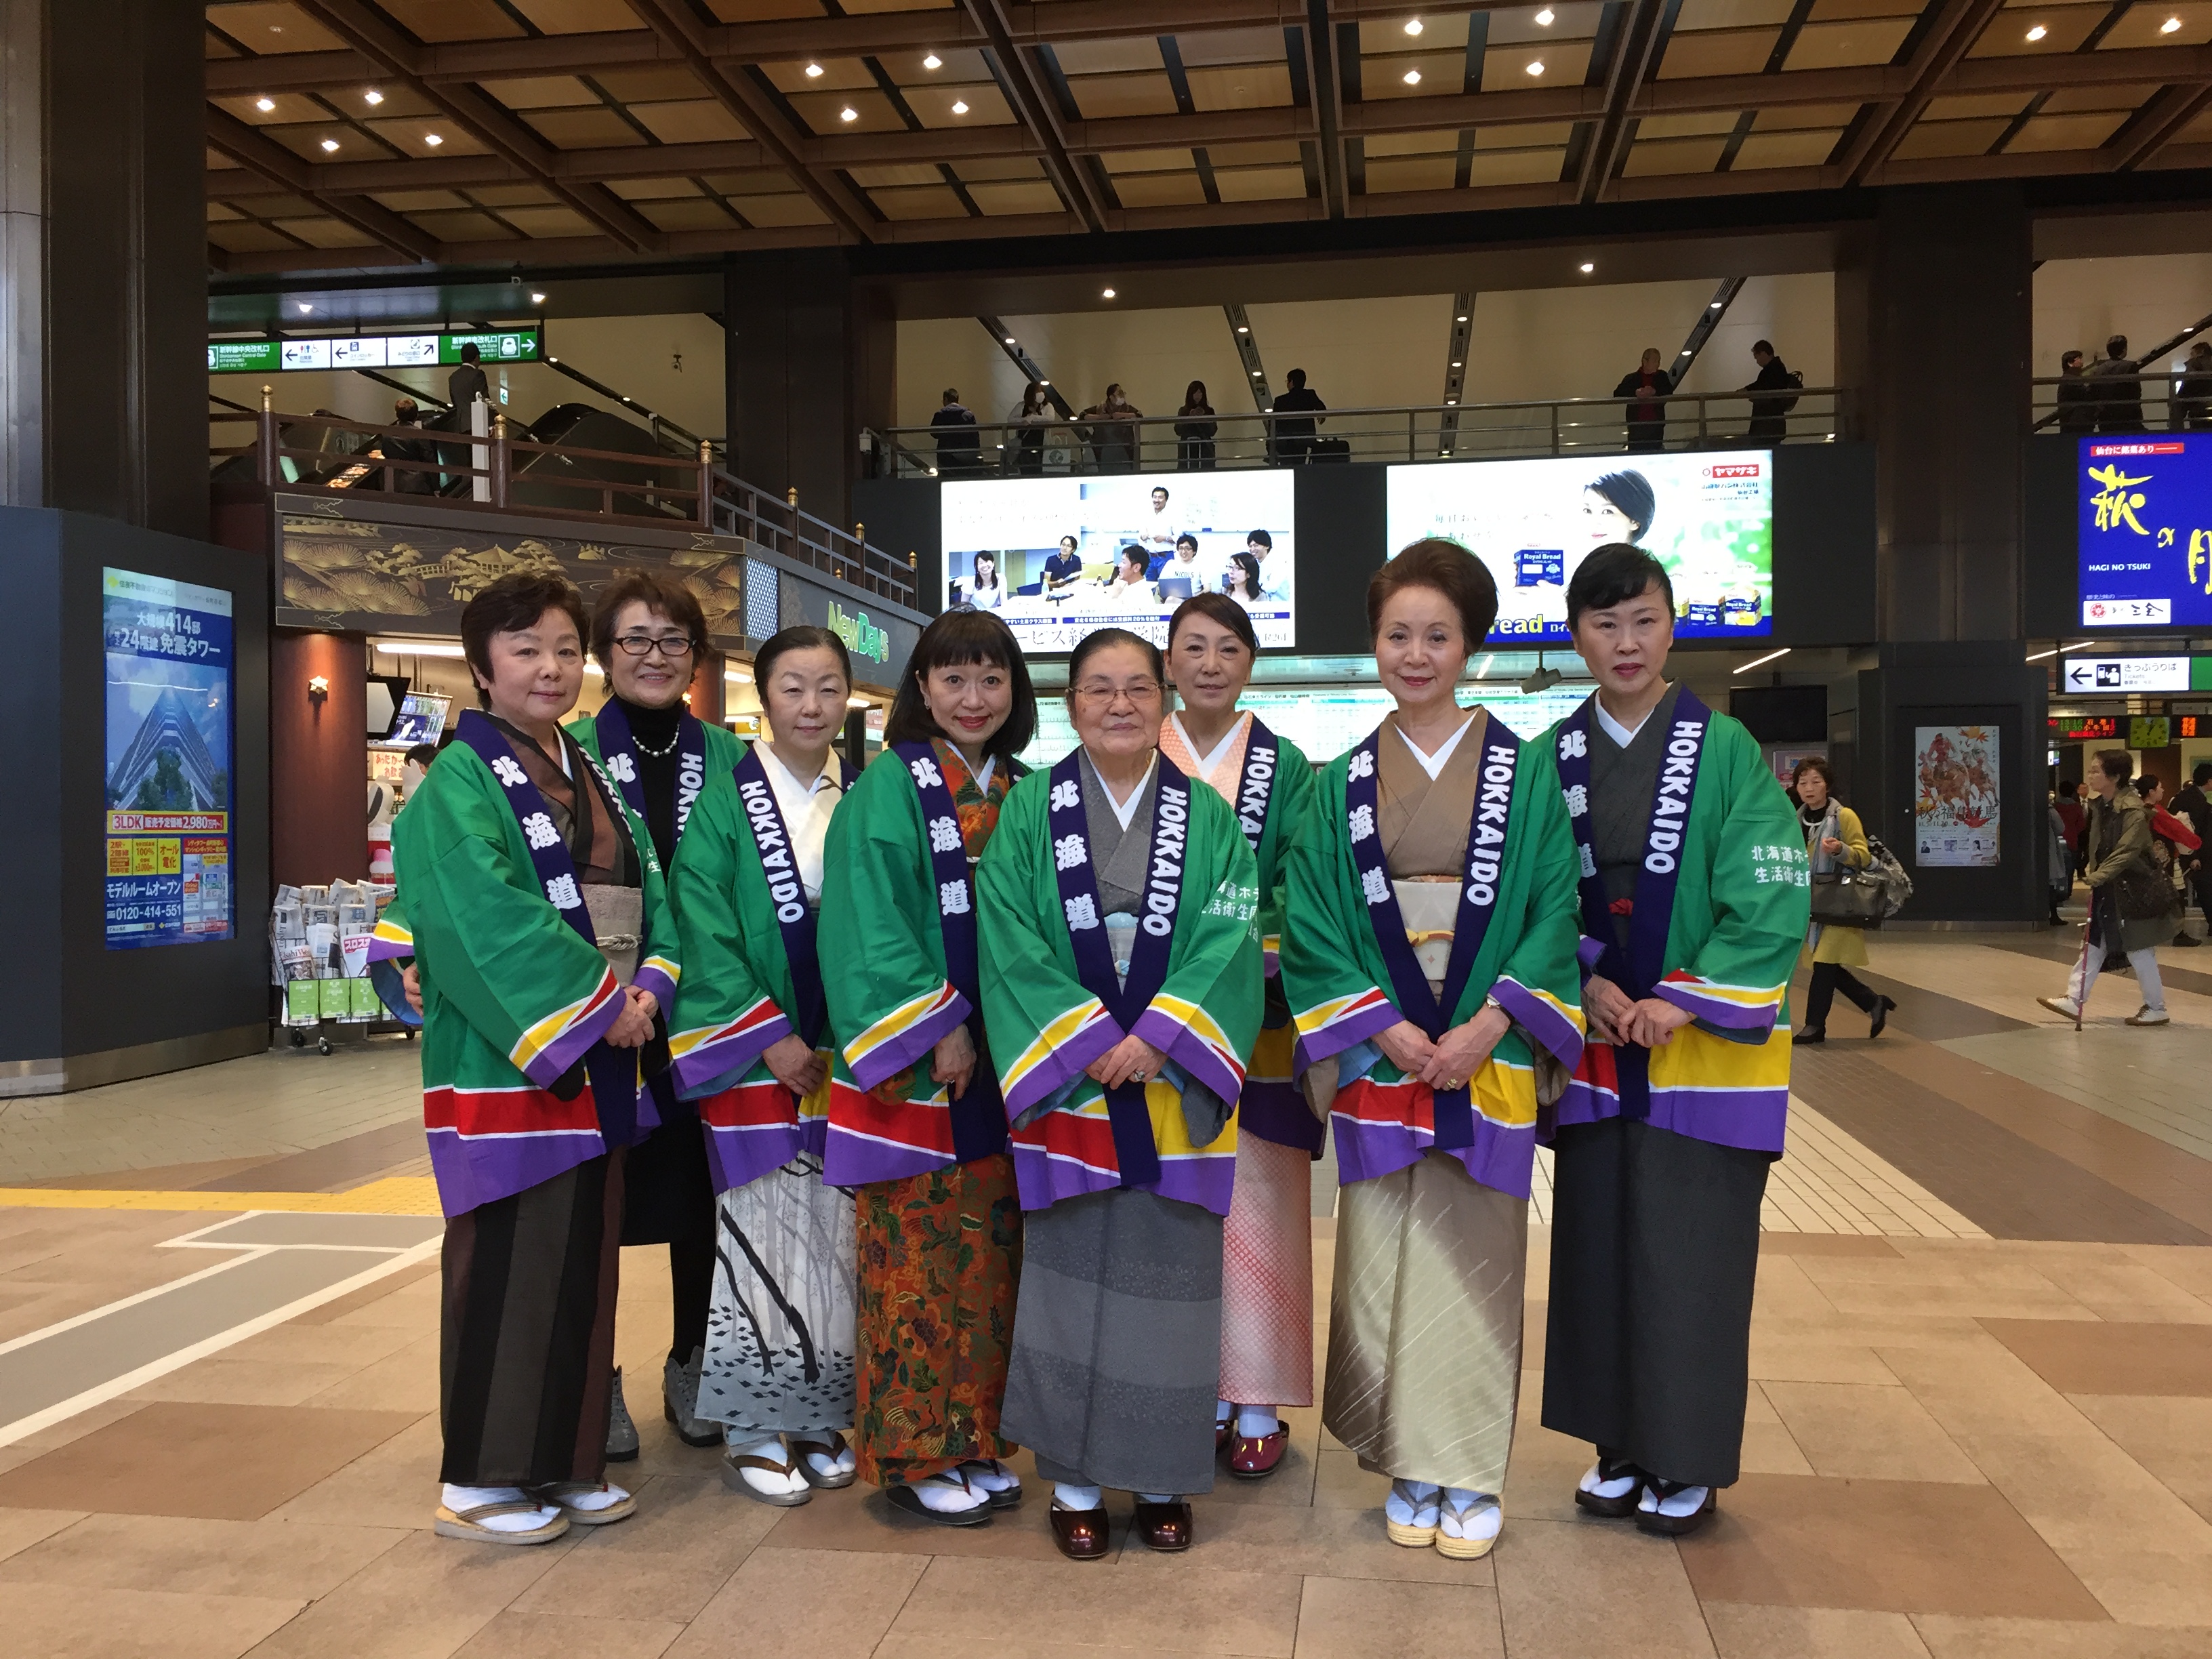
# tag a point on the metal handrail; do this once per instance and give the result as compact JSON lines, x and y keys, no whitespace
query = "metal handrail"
{"x":677,"y":491}
{"x":1396,"y":432}
{"x":2149,"y":400}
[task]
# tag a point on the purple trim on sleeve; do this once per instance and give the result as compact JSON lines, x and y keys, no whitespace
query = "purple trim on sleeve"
{"x":1338,"y":1035}
{"x":390,"y":949}
{"x":738,"y":1156}
{"x":1062,"y":1066}
{"x":1587,"y":952}
{"x":1756,"y":1120}
{"x":713,"y":1066}
{"x":473,"y":1171}
{"x":566,"y":1049}
{"x":909,"y":1047}
{"x":1190,"y":1051}
{"x":662,"y":988}
{"x":1716,"y":1010}
{"x":1541,"y":1020}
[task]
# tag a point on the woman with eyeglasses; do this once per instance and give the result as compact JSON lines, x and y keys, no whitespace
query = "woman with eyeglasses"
{"x":754,"y":1046}
{"x":1266,"y":1263}
{"x":1121,"y":975}
{"x":925,"y":1147}
{"x":649,"y":637}
{"x":1431,"y":956}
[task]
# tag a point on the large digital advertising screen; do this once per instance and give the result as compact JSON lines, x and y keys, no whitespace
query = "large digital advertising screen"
{"x":2145,"y":541}
{"x":170,"y":671}
{"x":1707,"y":517}
{"x":1059,"y":558}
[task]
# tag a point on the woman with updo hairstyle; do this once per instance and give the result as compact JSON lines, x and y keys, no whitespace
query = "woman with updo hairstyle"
{"x":1267,"y":1262}
{"x":921,"y":1138}
{"x":1121,"y":975}
{"x":1429,"y":954}
{"x":754,"y":1049}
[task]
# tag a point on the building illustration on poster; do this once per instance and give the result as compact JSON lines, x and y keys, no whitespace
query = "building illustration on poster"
{"x":1955,"y":807}
{"x":170,"y":663}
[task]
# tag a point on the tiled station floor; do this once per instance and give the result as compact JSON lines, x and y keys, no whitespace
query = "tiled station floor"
{"x":1980,"y":1421}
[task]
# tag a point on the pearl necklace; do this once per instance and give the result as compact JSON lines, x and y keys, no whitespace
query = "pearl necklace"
{"x":658,"y":754}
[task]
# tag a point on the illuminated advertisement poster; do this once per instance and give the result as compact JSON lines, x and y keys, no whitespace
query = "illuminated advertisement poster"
{"x":2145,"y":541}
{"x":168,"y":753}
{"x":1707,"y":518}
{"x":1057,"y":557}
{"x":1954,"y":807}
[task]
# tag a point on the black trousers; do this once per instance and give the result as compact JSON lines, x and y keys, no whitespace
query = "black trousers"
{"x":1828,"y":978}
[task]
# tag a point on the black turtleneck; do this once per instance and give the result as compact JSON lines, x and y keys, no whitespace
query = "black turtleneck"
{"x":651,"y":729}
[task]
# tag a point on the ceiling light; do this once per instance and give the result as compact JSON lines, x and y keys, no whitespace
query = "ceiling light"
{"x":856,"y":702}
{"x":418,"y":647}
{"x":1459,"y":319}
{"x":813,"y":72}
{"x":1255,"y":373}
{"x":959,"y":106}
{"x":433,"y":139}
{"x":305,"y":307}
{"x":1544,"y":18}
{"x":2035,"y":34}
{"x":1451,"y":400}
{"x":848,"y":113}
{"x":372,"y":96}
{"x":1412,"y":78}
{"x":264,"y":105}
{"x":1412,"y":26}
{"x":1457,"y":364}
{"x":1106,"y":293}
{"x":1536,"y":66}
{"x":1715,"y":305}
{"x":933,"y":62}
{"x":2169,"y":26}
{"x":1044,"y":382}
{"x":1241,"y":329}
{"x":538,"y":298}
{"x":1010,"y":339}
{"x":1769,"y":657}
{"x":1587,"y":267}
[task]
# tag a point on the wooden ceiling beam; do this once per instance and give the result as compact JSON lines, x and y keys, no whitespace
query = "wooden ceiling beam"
{"x":1957,"y":24}
{"x":262,"y":155}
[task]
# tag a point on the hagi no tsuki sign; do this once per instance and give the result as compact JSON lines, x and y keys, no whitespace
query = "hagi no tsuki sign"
{"x":171,"y":673}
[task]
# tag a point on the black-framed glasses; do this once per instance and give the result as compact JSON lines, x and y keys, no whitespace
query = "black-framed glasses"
{"x":670,"y":646}
{"x":1142,"y":695}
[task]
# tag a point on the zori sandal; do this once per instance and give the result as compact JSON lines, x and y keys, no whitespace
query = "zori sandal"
{"x":469,"y":1524}
{"x":568,"y":1495}
{"x":833,"y":1451}
{"x":733,"y":1477}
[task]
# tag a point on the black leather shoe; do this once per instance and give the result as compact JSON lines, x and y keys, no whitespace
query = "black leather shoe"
{"x":1880,"y":1017}
{"x":1810,"y":1034}
{"x":1080,"y":1534}
{"x":1165,"y":1527}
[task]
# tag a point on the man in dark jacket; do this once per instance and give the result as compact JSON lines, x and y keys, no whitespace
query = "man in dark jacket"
{"x":2192,"y":399}
{"x":1294,"y":438}
{"x":959,"y":446}
{"x":1770,"y":416}
{"x":1647,"y":416}
{"x":467,"y":384}
{"x":2119,"y":399}
{"x":2194,"y":807}
{"x":2076,"y":398}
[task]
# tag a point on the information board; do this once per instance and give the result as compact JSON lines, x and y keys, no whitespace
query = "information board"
{"x":1707,"y":518}
{"x":171,"y":675}
{"x":373,"y":351}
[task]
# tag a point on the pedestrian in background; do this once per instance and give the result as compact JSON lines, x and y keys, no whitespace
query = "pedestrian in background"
{"x":1647,"y":416}
{"x":2127,"y":907}
{"x":1833,"y":838}
{"x":1195,"y":437}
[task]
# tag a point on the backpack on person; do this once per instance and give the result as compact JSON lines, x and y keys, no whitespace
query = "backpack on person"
{"x":1796,"y":379}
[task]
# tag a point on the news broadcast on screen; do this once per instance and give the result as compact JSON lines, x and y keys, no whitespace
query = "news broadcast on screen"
{"x":1058,"y":557}
{"x":1708,"y":518}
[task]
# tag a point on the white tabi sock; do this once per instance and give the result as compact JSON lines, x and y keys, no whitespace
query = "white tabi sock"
{"x":989,"y":1475}
{"x":1156,"y":1497}
{"x":1071,"y":1497}
{"x":1412,"y":1503}
{"x":459,"y":1498}
{"x":948,"y":1494}
{"x":1252,"y":1421}
{"x":1688,"y":1501}
{"x":1472,"y":1514}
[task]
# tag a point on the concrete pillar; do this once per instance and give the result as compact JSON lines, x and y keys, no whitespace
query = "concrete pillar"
{"x":103,"y":260}
{"x":812,"y":359}
{"x":1933,"y":326}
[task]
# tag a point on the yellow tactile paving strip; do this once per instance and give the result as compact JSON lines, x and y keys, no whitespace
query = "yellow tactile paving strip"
{"x":393,"y":1195}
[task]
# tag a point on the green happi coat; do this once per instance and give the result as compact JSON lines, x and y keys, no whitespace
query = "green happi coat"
{"x":1341,"y":988}
{"x":1045,"y":1027}
{"x":739,"y":1001}
{"x":725,"y":748}
{"x":512,"y":996}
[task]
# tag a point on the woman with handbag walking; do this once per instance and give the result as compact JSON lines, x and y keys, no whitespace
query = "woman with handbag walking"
{"x":1835,"y":841}
{"x":2130,"y":904}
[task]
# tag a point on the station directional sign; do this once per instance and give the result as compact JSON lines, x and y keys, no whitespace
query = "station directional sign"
{"x":2087,"y":675}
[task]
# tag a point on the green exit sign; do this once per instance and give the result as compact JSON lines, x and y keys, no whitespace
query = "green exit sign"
{"x":510,"y":346}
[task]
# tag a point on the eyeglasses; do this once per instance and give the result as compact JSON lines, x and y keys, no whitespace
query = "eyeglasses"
{"x":670,"y":646}
{"x":1142,"y":695}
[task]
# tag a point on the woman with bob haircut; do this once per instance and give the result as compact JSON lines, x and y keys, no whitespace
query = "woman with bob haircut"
{"x":531,"y":903}
{"x":1121,"y":989}
{"x":1267,"y":1247}
{"x":649,"y":638}
{"x":1620,"y":506}
{"x":921,"y":1136}
{"x":1695,"y":895}
{"x":755,"y":1047}
{"x":1430,"y":954}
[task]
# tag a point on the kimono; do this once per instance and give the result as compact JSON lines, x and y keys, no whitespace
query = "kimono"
{"x":1695,"y":890}
{"x":779,"y":1330}
{"x":529,"y":897}
{"x":940,"y":1224}
{"x":668,"y":1197}
{"x":1424,"y":1323}
{"x":1266,"y":1246}
{"x":1117,"y":1339}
